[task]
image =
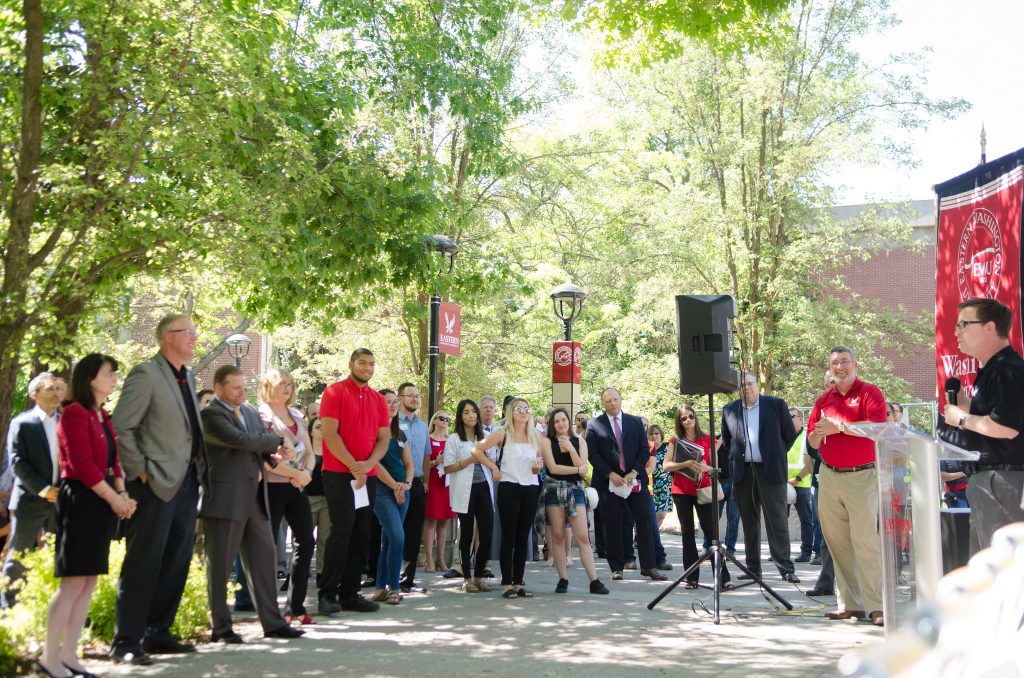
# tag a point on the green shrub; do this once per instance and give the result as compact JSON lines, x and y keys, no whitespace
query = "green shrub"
{"x":23,"y":627}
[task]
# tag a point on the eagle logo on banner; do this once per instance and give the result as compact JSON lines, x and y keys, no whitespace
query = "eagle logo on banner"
{"x":980,"y":256}
{"x":449,"y":323}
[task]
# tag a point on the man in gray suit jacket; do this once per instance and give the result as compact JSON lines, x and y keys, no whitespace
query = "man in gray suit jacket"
{"x":32,"y":452}
{"x":160,"y":441}
{"x":235,"y":509}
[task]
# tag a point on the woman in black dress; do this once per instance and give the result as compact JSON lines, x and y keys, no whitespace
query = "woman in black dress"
{"x":91,"y":499}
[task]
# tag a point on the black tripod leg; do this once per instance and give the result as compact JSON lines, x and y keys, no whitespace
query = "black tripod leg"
{"x":756,"y":578}
{"x":671,"y":587}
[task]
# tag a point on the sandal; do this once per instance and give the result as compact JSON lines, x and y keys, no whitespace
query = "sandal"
{"x":470,"y":587}
{"x":523,"y":593}
{"x":380,"y":595}
{"x":728,"y":586}
{"x":509,"y":593}
{"x":393,"y":598}
{"x":690,"y":585}
{"x":481,"y":586}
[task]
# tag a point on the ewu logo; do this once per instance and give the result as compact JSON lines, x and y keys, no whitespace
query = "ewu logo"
{"x":980,"y":256}
{"x":563,"y":356}
{"x":577,"y":356}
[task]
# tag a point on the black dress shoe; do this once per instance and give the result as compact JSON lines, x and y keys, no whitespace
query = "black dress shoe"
{"x":167,"y":646}
{"x":653,"y":574}
{"x":790,"y":577}
{"x":245,"y":607}
{"x":127,"y":655}
{"x":803,"y":558}
{"x":664,"y":565}
{"x":455,"y":574}
{"x":412,"y":589}
{"x":816,"y":592}
{"x":327,"y":606}
{"x":359,"y":604}
{"x":227,"y":637}
{"x":487,"y":573}
{"x":284,"y":632}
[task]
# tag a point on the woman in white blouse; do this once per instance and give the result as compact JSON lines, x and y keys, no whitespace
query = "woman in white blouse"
{"x":520,"y":462}
{"x":470,"y":476}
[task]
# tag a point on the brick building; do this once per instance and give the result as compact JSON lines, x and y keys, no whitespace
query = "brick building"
{"x":902,"y":276}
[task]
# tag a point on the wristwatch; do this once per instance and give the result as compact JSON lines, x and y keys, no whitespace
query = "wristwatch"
{"x":799,"y":478}
{"x":842,"y":427}
{"x":963,"y":420}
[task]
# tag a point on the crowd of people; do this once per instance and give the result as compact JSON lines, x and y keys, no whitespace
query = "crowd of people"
{"x":361,"y":462}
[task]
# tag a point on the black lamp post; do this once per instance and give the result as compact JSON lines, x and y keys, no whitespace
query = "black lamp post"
{"x":568,"y":302}
{"x":447,"y":248}
{"x":238,"y":347}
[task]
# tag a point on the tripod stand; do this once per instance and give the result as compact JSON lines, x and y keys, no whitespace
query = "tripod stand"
{"x":717,"y":553}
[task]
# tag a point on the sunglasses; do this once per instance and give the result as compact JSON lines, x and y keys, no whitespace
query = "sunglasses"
{"x":523,"y":410}
{"x":687,"y":417}
{"x":444,"y":419}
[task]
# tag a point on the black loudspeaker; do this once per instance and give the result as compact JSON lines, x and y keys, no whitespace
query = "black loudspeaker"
{"x":704,"y":323}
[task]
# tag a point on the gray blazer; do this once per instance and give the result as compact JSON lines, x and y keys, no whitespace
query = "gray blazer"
{"x":153,"y":431}
{"x":29,"y":454}
{"x":234,"y":456}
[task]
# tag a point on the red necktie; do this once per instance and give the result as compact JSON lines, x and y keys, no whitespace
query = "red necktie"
{"x":618,"y":441}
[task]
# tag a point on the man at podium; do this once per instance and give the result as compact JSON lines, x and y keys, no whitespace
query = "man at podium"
{"x":992,"y":420}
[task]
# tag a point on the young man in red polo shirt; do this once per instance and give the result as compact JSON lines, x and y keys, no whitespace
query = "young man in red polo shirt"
{"x":848,"y":506}
{"x":356,"y":430}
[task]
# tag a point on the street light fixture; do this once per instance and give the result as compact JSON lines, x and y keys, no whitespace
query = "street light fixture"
{"x":238,"y":347}
{"x":447,"y":248}
{"x":567,"y":300}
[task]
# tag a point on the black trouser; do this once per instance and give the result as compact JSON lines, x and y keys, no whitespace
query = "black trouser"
{"x":414,"y":517}
{"x":517,"y":505}
{"x":291,"y":503}
{"x":685,"y":505}
{"x":481,"y":512}
{"x":160,"y":537}
{"x":755,"y":494}
{"x":614,"y":507}
{"x":599,"y":541}
{"x":373,"y":547}
{"x":350,"y":535}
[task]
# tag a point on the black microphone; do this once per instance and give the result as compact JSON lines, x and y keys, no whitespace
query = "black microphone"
{"x":952,"y":388}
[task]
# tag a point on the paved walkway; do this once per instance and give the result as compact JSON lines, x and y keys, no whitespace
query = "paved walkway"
{"x":446,"y":632}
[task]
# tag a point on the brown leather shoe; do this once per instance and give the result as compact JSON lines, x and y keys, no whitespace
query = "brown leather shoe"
{"x":876,"y":618}
{"x":653,"y":574}
{"x":845,"y":614}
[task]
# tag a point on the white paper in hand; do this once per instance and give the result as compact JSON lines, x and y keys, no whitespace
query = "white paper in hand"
{"x":361,"y":496}
{"x":622,"y":490}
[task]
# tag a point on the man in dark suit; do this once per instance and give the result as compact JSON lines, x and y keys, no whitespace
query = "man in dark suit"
{"x":618,"y":449}
{"x":757,"y":433}
{"x":32,"y":451}
{"x":235,"y":509}
{"x":160,"y":442}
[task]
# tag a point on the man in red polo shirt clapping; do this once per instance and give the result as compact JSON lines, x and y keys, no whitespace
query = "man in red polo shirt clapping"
{"x":356,"y":430}
{"x":848,"y":506}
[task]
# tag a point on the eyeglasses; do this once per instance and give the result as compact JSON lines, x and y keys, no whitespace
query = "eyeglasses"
{"x":411,"y":395}
{"x":190,"y":333}
{"x":840,"y":363}
{"x":444,"y":419}
{"x":961,"y":325}
{"x":522,"y":410}
{"x":686,"y":417}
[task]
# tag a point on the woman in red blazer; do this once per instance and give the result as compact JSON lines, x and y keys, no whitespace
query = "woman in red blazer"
{"x":91,"y":499}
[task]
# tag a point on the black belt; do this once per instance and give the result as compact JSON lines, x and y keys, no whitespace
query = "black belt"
{"x":850,"y":469}
{"x":975,"y":468}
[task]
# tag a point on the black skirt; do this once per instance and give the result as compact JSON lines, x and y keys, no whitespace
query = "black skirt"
{"x":85,"y":526}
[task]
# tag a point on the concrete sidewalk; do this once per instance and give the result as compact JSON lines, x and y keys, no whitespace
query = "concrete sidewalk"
{"x":446,"y":632}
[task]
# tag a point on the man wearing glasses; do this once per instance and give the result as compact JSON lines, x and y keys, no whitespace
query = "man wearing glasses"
{"x":992,"y":420}
{"x":160,"y":440}
{"x":415,"y":430}
{"x":848,"y":506}
{"x":757,"y":433}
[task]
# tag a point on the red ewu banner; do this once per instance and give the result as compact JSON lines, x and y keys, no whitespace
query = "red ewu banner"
{"x":449,"y":335}
{"x":978,"y":254}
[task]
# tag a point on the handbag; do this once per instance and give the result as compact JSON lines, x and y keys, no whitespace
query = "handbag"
{"x":704,"y":495}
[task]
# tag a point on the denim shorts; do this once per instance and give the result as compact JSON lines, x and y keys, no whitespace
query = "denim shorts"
{"x":551,"y":498}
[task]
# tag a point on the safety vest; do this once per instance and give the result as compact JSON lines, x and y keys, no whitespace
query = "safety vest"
{"x":795,"y":459}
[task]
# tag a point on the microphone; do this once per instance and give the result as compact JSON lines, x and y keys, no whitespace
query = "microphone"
{"x":952,"y":388}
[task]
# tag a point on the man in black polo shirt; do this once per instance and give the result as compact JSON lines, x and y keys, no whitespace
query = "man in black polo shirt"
{"x":993,"y":420}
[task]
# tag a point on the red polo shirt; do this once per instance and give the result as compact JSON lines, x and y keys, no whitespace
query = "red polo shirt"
{"x":360,"y":412}
{"x":863,"y":402}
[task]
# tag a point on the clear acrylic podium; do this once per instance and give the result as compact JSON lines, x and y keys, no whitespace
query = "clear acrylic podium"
{"x":909,"y":491}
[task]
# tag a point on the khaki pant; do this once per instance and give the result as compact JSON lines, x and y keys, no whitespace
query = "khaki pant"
{"x":848,"y":511}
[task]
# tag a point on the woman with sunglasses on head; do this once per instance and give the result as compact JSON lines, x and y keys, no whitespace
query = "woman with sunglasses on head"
{"x":565,"y":456}
{"x":439,"y":509}
{"x":470,"y":476}
{"x":684,"y":490}
{"x":520,"y":462}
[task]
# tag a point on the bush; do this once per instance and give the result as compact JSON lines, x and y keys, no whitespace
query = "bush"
{"x":23,"y":627}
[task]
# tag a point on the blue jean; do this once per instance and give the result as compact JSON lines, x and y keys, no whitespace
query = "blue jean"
{"x":817,"y":538}
{"x":391,"y":515}
{"x":728,"y":507}
{"x":805,"y":511}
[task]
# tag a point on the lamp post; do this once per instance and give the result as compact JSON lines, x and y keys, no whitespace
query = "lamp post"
{"x":567,"y":300}
{"x":447,"y":248}
{"x":238,"y":347}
